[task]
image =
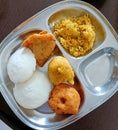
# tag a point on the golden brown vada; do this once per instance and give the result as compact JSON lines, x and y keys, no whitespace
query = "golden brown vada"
{"x":64,"y":99}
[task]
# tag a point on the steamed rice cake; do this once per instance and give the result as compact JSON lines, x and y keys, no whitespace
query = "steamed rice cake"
{"x":21,"y":65}
{"x":34,"y":92}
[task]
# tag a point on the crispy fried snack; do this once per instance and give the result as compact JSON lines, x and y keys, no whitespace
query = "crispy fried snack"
{"x":41,"y":44}
{"x":64,"y":99}
{"x":60,"y":70}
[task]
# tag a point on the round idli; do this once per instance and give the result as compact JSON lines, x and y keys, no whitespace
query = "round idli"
{"x":21,"y":65}
{"x":34,"y":92}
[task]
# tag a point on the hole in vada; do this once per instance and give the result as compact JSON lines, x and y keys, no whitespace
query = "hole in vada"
{"x":63,"y":100}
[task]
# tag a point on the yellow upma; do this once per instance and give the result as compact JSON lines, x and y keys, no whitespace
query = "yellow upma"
{"x":76,"y":34}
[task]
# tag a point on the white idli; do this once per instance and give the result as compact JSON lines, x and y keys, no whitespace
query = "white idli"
{"x":34,"y":92}
{"x":21,"y":65}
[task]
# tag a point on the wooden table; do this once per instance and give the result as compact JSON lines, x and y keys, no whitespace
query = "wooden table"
{"x":12,"y":13}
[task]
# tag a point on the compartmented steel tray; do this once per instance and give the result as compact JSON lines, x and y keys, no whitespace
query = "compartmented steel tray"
{"x":96,"y":71}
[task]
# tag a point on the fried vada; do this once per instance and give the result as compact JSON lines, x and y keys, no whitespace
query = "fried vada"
{"x":59,"y":70}
{"x":41,"y":44}
{"x":64,"y":99}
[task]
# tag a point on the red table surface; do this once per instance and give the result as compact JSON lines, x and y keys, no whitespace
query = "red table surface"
{"x":14,"y":12}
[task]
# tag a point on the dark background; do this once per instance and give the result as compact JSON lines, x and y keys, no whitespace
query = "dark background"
{"x":14,"y":12}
